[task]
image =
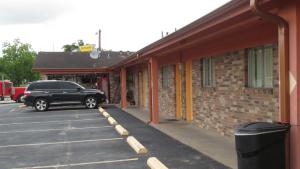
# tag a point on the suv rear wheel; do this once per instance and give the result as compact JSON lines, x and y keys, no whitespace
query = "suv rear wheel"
{"x":91,"y":102}
{"x":41,"y":104}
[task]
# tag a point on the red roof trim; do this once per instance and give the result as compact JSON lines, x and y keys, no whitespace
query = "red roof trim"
{"x":230,"y":10}
{"x":70,"y":70}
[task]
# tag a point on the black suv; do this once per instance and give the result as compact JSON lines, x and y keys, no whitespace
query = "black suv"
{"x":45,"y":93}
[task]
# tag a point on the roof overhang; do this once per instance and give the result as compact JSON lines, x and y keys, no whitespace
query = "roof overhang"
{"x":71,"y":70}
{"x":231,"y":17}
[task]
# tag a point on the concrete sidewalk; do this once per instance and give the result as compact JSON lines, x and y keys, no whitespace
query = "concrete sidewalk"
{"x":7,"y":102}
{"x":218,"y":147}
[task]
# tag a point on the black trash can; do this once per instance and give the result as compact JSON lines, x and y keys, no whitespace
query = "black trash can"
{"x":261,"y":145}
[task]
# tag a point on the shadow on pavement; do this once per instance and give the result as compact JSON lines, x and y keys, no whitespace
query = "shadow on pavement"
{"x":171,"y":152}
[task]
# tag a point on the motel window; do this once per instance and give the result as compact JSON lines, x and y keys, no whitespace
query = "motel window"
{"x":165,"y":72}
{"x":260,"y":67}
{"x":207,"y":72}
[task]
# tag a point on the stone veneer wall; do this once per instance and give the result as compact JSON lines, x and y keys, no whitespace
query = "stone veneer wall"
{"x":183,"y":94}
{"x":130,"y":84}
{"x":229,"y":102}
{"x":146,"y":89}
{"x":136,"y":87}
{"x":166,"y":95}
{"x":114,"y":85}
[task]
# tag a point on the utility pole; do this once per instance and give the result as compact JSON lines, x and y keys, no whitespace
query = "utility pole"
{"x":99,"y":40}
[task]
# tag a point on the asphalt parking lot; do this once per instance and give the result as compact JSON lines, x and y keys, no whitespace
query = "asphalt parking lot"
{"x":73,"y":138}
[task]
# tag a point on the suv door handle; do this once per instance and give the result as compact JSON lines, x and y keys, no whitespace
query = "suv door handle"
{"x":64,"y":92}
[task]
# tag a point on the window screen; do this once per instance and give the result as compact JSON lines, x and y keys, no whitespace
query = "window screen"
{"x":207,"y":72}
{"x":260,"y":67}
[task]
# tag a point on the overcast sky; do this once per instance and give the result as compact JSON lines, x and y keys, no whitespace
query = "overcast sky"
{"x":125,"y":24}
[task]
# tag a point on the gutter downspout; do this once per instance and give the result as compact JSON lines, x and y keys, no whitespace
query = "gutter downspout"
{"x":283,"y":59}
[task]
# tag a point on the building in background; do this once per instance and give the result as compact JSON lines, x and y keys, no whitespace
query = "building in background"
{"x":81,"y":68}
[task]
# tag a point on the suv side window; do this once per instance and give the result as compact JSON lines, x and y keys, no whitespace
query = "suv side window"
{"x":31,"y":87}
{"x":53,"y":85}
{"x":68,"y":85}
{"x":43,"y":86}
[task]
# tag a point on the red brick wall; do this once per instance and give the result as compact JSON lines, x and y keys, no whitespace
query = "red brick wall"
{"x":229,"y":102}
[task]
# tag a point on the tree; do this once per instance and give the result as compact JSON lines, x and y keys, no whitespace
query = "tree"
{"x":74,"y":47}
{"x":17,"y":62}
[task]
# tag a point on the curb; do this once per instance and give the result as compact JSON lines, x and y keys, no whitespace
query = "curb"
{"x":121,"y":130}
{"x":112,"y":121}
{"x":101,"y":110}
{"x":154,"y":163}
{"x":136,"y":145}
{"x":105,"y":114}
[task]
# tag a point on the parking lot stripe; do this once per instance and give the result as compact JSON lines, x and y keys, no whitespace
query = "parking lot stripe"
{"x":47,"y":116}
{"x":43,"y":122}
{"x":61,"y":142}
{"x":64,"y":129}
{"x":81,"y":164}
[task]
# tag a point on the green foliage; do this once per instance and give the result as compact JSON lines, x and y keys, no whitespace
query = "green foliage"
{"x":74,"y":47}
{"x":80,"y":42}
{"x":71,"y":48}
{"x":17,"y":62}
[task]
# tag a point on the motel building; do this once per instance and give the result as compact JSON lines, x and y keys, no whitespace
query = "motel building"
{"x":238,"y":64}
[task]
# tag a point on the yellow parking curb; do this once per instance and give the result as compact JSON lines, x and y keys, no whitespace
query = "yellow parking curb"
{"x":112,"y":121}
{"x":136,"y":145}
{"x":105,"y":114}
{"x":121,"y":130}
{"x":154,"y":163}
{"x":101,"y":109}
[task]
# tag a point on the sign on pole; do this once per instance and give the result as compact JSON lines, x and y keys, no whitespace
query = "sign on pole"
{"x":86,"y":48}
